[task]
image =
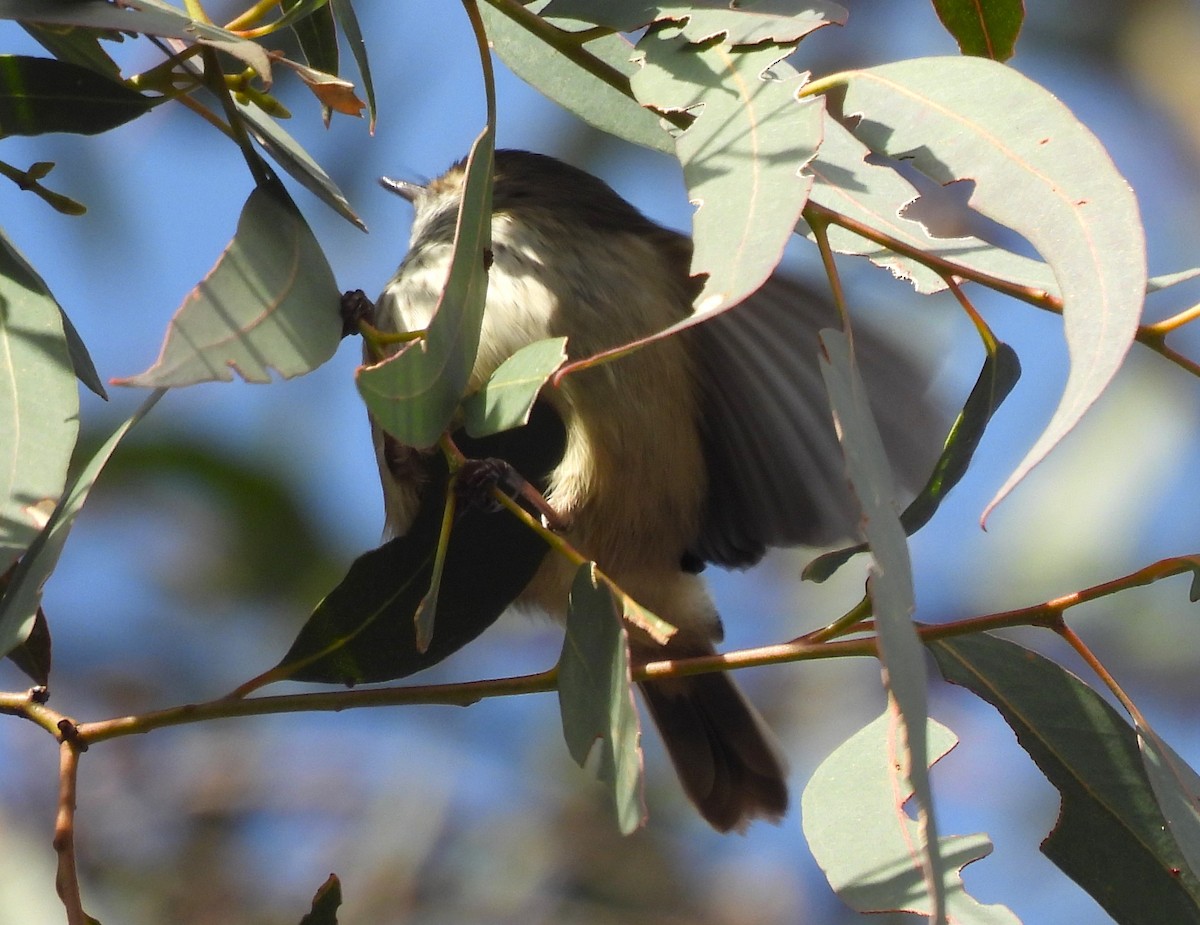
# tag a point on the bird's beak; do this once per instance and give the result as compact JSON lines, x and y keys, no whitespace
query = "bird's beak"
{"x":409,"y":191}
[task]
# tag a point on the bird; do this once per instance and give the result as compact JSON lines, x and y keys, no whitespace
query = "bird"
{"x":709,"y":446}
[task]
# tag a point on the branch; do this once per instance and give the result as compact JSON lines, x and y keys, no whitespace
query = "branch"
{"x":66,"y":880}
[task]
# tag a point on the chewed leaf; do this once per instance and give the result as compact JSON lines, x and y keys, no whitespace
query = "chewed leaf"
{"x":748,"y":22}
{"x":1038,"y":171}
{"x":1110,"y":836}
{"x":741,"y":156}
{"x":855,"y":822}
{"x":595,"y":695}
{"x":271,"y":302}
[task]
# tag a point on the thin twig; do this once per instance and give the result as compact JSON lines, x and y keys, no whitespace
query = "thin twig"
{"x":66,"y":880}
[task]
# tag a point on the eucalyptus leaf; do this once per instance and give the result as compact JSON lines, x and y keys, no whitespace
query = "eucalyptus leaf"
{"x":414,"y":394}
{"x":1110,"y":836}
{"x":595,"y":696}
{"x":271,"y":302}
{"x":39,"y":405}
{"x":987,"y":28}
{"x":741,"y":156}
{"x":862,"y":838}
{"x":40,"y":95}
{"x":1038,"y":171}
{"x":343,"y":11}
{"x":507,"y":398}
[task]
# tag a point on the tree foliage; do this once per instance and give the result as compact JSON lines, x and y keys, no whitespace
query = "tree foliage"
{"x":768,"y":152}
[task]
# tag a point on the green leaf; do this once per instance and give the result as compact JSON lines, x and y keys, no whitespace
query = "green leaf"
{"x":854,"y":819}
{"x":1110,"y":837}
{"x":325,"y":903}
{"x":1167,"y":280}
{"x":573,"y":87}
{"x":81,"y":359}
{"x":39,"y":404}
{"x":595,"y":695}
{"x":33,"y":656}
{"x":876,"y":195}
{"x":271,"y":302}
{"x":1038,"y":171}
{"x":317,"y":35}
{"x":749,"y":22}
{"x":364,"y":630}
{"x":987,"y":28}
{"x":890,"y":581}
{"x":296,"y":162}
{"x":22,"y":599}
{"x":741,"y":156}
{"x":507,"y":397}
{"x":39,"y":95}
{"x":1001,"y":370}
{"x":414,"y":394}
{"x":77,"y":45}
{"x":1177,"y":789}
{"x":343,"y":11}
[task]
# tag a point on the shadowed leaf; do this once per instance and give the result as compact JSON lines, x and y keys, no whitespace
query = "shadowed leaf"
{"x":987,"y":28}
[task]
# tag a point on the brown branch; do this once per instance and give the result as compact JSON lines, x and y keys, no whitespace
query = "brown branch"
{"x":66,"y":880}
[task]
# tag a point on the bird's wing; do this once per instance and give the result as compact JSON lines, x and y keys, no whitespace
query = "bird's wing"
{"x":776,"y":472}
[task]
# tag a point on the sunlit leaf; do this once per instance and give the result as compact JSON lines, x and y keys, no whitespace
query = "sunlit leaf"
{"x":288,"y":154}
{"x":741,"y":156}
{"x":862,"y":838}
{"x":987,"y":28}
{"x":595,"y":696}
{"x":39,"y":404}
{"x":748,"y":22}
{"x":1110,"y":836}
{"x":21,"y":601}
{"x":508,"y":396}
{"x":270,"y":303}
{"x":414,"y":394}
{"x":1038,"y":171}
{"x":573,"y":87}
{"x":890,"y":581}
{"x":39,"y":95}
{"x":876,"y":195}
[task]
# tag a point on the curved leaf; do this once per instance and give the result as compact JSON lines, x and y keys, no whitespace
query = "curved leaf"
{"x":271,"y":302}
{"x":1110,"y":836}
{"x":741,"y":156}
{"x":343,"y":12}
{"x":1038,"y":171}
{"x":864,"y":841}
{"x":507,"y":397}
{"x":39,"y":404}
{"x":595,"y":695}
{"x":414,"y":394}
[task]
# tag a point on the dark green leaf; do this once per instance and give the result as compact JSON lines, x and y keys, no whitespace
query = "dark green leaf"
{"x":39,"y":404}
{"x":364,"y":629}
{"x":986,"y":28}
{"x":77,"y":45}
{"x":595,"y":695}
{"x":414,"y":394}
{"x":317,"y":35}
{"x":1110,"y":836}
{"x":33,"y":655}
{"x":271,"y":302}
{"x":325,"y":903}
{"x":1000,"y":373}
{"x":39,"y":95}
